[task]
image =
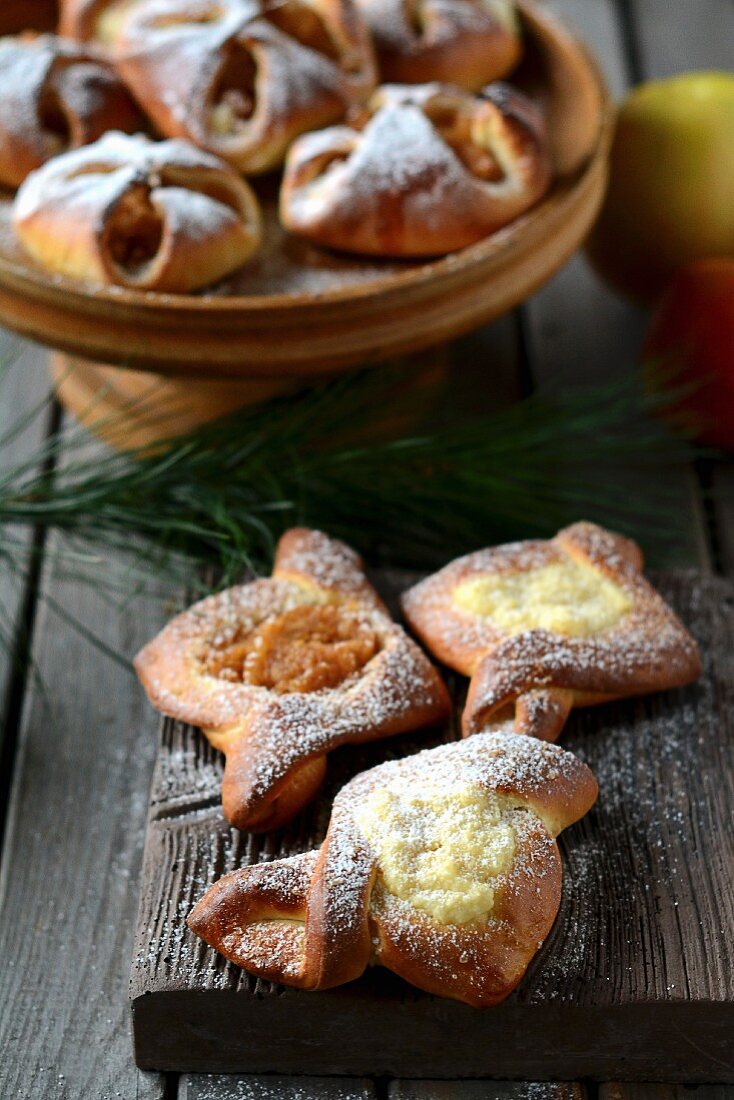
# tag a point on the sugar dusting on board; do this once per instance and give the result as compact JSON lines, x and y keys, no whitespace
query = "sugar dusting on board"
{"x":631,"y":864}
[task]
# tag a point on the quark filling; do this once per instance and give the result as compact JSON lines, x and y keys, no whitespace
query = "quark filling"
{"x":565,"y":597}
{"x":440,"y":850}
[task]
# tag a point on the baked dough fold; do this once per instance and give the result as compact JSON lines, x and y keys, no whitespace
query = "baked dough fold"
{"x":56,"y":95}
{"x":280,"y":671}
{"x":464,"y":42}
{"x":541,"y":627}
{"x":424,"y":170}
{"x":149,"y":215}
{"x":243,"y":78}
{"x":407,"y":841}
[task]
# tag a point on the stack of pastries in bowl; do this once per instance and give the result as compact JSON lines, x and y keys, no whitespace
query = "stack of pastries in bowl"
{"x":132,"y":134}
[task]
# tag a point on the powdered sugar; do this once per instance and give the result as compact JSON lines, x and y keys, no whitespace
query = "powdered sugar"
{"x":158,"y":215}
{"x":402,"y":183}
{"x":271,"y":737}
{"x":179,"y":57}
{"x":56,"y":95}
{"x":351,"y":915}
{"x":645,"y":649}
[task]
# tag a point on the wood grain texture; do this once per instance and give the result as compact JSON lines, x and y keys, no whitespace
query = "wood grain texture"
{"x":24,"y":385}
{"x":578,"y":330}
{"x":635,"y":980}
{"x":666,"y":1092}
{"x":71,"y":857}
{"x":204,"y":1086}
{"x":480,"y":373}
{"x":711,"y":28}
{"x":482,"y":370}
{"x":317,"y":332}
{"x":485,"y":1090}
{"x":677,"y":36}
{"x":722,"y":498}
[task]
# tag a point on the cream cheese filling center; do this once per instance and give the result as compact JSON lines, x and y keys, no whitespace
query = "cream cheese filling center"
{"x":565,"y":597}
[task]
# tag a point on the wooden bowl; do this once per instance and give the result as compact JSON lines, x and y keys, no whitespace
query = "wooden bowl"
{"x":299,"y":312}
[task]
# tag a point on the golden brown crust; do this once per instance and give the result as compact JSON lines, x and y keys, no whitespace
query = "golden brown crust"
{"x":244,"y":78}
{"x":276,"y":739}
{"x":337,"y":569}
{"x":56,"y":96}
{"x":426,"y":170}
{"x":17,"y":16}
{"x":97,"y":20}
{"x":152,"y":215}
{"x":318,"y":919}
{"x":540,"y":673}
{"x":464,"y":42}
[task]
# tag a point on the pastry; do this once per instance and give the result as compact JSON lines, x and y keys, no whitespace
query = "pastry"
{"x":56,"y":96}
{"x":101,"y":20}
{"x":280,"y":671}
{"x":464,"y":42}
{"x":541,"y":627}
{"x":426,"y":169}
{"x":22,"y":15}
{"x":442,"y":867}
{"x":243,"y":78}
{"x":151,"y":215}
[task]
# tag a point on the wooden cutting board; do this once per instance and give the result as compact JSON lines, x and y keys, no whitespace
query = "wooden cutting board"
{"x":635,"y":981}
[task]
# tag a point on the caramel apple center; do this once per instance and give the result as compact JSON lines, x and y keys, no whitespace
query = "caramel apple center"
{"x":309,"y":648}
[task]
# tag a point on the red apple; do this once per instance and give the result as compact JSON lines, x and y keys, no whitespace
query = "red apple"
{"x":692,"y":337}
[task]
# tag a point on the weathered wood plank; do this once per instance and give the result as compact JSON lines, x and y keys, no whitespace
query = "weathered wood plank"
{"x":477,"y":373}
{"x":68,"y":896}
{"x":677,"y":36}
{"x":205,"y":1086}
{"x":483,"y":369}
{"x":24,"y":386}
{"x":666,"y":1092}
{"x":636,"y":978}
{"x":722,"y":498}
{"x":578,"y":330}
{"x":485,"y":1090}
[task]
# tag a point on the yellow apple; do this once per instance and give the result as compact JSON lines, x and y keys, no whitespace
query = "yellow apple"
{"x":671,"y":188}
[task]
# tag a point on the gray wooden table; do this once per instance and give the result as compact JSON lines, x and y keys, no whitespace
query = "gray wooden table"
{"x":77,"y":753}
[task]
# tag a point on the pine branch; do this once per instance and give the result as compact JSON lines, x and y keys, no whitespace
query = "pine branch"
{"x":336,"y":457}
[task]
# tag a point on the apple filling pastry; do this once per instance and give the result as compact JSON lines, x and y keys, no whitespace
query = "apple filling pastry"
{"x":56,"y":96}
{"x":280,"y":671}
{"x":464,"y":42}
{"x":243,"y":78}
{"x":422,"y":170}
{"x":148,"y":215}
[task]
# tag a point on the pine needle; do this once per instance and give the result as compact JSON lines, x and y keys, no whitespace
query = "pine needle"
{"x":336,"y":457}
